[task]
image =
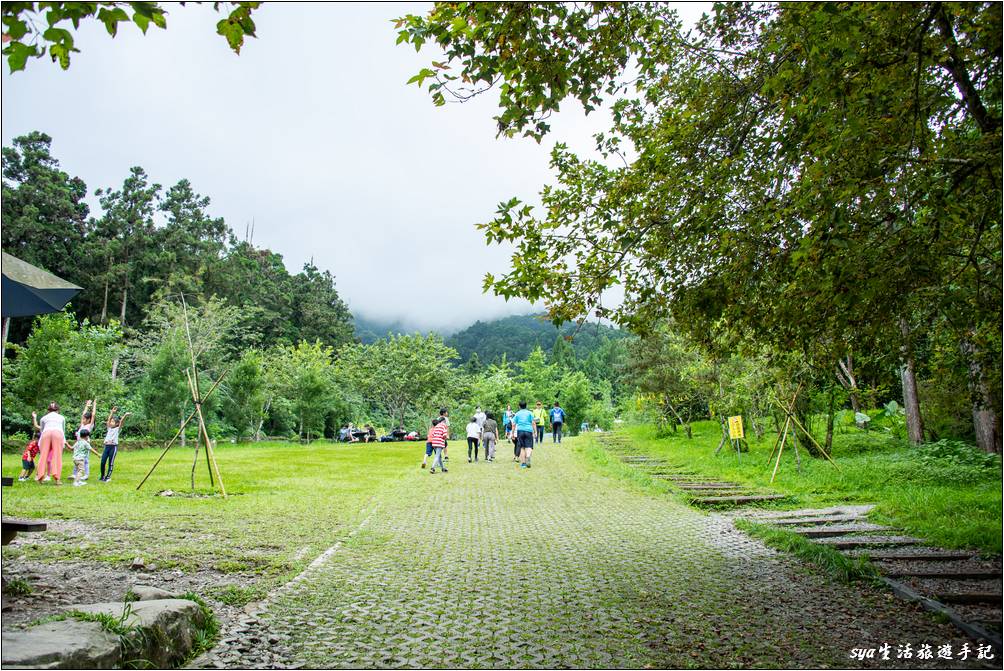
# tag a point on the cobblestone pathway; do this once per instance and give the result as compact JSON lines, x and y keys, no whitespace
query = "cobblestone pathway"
{"x":559,"y":566}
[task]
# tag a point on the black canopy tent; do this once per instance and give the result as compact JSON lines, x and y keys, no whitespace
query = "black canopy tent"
{"x":28,"y":290}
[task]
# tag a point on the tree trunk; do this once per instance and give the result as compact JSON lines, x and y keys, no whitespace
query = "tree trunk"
{"x":911,"y":402}
{"x":182,"y":425}
{"x":986,"y":415}
{"x":847,"y":368}
{"x":115,"y":368}
{"x":104,"y":304}
{"x":6,"y":330}
{"x":828,"y":445}
{"x":125,"y":296}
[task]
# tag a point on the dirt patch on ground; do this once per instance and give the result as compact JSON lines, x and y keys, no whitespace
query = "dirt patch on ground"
{"x":57,"y":585}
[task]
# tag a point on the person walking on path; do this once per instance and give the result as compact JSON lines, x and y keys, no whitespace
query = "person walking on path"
{"x":557,"y":420}
{"x":444,"y":417}
{"x":437,"y":437}
{"x":490,"y":436}
{"x":480,"y":416}
{"x":112,"y":429}
{"x":50,"y":444}
{"x":524,"y":427}
{"x":473,"y":438}
{"x":540,"y":420}
{"x":507,"y":419}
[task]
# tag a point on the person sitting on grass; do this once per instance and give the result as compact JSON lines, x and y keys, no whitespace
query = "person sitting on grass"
{"x":28,"y":459}
{"x":437,"y":438}
{"x":81,"y":449}
{"x":112,"y":429}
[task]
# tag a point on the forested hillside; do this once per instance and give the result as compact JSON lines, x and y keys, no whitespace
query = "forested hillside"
{"x":151,"y":243}
{"x":369,"y":330}
{"x":517,"y":336}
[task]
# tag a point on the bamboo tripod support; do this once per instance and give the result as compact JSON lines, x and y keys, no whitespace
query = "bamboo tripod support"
{"x":178,"y":433}
{"x":792,"y":424}
{"x":192,"y":376}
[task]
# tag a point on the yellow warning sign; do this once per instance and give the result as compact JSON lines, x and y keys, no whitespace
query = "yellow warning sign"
{"x":736,"y":427}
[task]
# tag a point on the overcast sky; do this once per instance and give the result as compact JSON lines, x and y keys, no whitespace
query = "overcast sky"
{"x":311,"y":133}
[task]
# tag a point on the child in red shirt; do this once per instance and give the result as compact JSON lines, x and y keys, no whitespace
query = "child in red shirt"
{"x":437,"y":438}
{"x":28,"y":459}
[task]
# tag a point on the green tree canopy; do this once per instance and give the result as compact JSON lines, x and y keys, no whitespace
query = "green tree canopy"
{"x":400,"y":375}
{"x":31,"y":29}
{"x":815,"y":176}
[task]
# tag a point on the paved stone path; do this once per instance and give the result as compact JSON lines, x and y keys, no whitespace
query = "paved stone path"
{"x":560,"y":566}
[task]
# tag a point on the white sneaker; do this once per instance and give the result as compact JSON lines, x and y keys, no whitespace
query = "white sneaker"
{"x":21,"y":479}
{"x":46,"y":479}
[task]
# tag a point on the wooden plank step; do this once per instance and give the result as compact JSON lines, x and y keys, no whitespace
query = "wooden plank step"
{"x":738,"y":499}
{"x":960,"y":574}
{"x":805,"y":521}
{"x":846,"y":542}
{"x":970,"y":597}
{"x":825,"y":531}
{"x":914,"y":556}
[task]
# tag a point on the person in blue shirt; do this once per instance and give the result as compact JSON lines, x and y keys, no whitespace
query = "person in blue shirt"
{"x":524,"y":426}
{"x":557,"y":420}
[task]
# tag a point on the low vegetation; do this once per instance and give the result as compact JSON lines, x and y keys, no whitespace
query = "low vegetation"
{"x":947,"y":493}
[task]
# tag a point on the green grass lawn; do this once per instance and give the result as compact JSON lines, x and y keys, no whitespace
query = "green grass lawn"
{"x":287,"y":503}
{"x":945,"y":500}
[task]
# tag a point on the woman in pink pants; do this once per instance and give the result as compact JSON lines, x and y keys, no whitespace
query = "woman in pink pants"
{"x":50,"y":444}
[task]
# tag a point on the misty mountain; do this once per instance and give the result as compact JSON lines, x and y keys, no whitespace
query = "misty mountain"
{"x":517,"y":336}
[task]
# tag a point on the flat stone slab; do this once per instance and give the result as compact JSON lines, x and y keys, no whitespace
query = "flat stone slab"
{"x":711,"y":485}
{"x":148,"y":593}
{"x":66,"y":644}
{"x":843,"y":542}
{"x":172,"y":620}
{"x":832,"y":519}
{"x":825,"y":531}
{"x":856,"y":510}
{"x":738,"y":499}
{"x":969,"y":597}
{"x":960,"y":574}
{"x":917,"y":554}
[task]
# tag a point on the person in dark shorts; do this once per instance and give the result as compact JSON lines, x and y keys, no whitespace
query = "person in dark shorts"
{"x":524,"y":427}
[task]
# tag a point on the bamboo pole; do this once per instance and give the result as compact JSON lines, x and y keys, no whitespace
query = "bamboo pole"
{"x":818,"y":446}
{"x":168,"y":447}
{"x":780,"y":450}
{"x":193,"y":388}
{"x":183,"y":425}
{"x":210,"y":458}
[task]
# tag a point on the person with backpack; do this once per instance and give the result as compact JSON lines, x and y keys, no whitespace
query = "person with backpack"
{"x":557,"y":421}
